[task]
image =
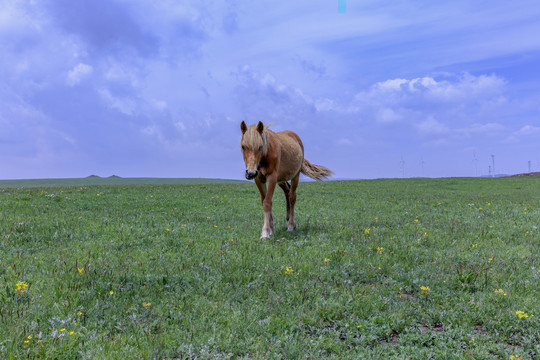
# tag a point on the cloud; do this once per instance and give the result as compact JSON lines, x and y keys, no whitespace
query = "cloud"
{"x":432,"y":126}
{"x":119,"y":83}
{"x":78,"y":73}
{"x":430,"y":104}
{"x":14,"y":20}
{"x":264,"y":98}
{"x":489,"y":129}
{"x":465,"y":88}
{"x":125,"y":105}
{"x":310,"y":67}
{"x":105,"y":26}
{"x":230,"y":19}
{"x":523,"y":133}
{"x":387,"y":115}
{"x":528,"y":130}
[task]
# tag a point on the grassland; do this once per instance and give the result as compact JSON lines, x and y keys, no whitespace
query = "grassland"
{"x":381,"y":269}
{"x":109,"y":181}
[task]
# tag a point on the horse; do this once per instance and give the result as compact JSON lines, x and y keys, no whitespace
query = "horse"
{"x":275,"y":158}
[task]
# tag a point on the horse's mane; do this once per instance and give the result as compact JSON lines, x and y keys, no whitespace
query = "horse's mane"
{"x":254,"y":140}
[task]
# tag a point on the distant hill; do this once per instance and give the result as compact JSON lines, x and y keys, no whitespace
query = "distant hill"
{"x":112,"y":180}
{"x":495,"y":176}
{"x":529,"y":174}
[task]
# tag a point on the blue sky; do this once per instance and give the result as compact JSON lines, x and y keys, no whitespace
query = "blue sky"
{"x":158,"y":89}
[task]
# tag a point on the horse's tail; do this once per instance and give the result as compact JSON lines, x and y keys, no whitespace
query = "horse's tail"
{"x":316,"y":172}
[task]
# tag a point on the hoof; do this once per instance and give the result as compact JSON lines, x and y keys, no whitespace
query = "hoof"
{"x":265,"y":235}
{"x":291,"y":227}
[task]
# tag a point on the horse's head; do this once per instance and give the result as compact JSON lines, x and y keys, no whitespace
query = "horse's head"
{"x":254,"y":146}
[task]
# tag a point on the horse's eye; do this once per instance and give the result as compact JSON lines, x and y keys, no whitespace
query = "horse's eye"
{"x":243,"y":148}
{"x":260,"y":148}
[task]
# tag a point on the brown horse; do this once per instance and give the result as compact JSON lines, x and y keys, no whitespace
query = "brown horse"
{"x":275,"y":158}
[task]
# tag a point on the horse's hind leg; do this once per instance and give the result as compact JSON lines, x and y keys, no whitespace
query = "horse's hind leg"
{"x":286,"y":189}
{"x":292,"y":201}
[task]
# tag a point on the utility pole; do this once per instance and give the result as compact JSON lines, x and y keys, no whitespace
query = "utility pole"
{"x":402,"y":166}
{"x":529,"y":165}
{"x":493,"y":162}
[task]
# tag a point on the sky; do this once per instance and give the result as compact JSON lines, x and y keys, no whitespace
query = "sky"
{"x":386,"y":88}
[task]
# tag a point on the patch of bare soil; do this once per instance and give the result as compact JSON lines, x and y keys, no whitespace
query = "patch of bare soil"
{"x":406,"y":296}
{"x":438,"y":327}
{"x":392,"y":342}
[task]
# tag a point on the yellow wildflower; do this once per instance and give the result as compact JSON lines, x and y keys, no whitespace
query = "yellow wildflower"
{"x":289,"y":270}
{"x":521,"y":314}
{"x":146,"y":305}
{"x":366,"y":231}
{"x":80,"y":270}
{"x":111,"y":292}
{"x":326,"y":261}
{"x":62,"y":330}
{"x":425,"y":290}
{"x":21,"y":287}
{"x":380,"y":250}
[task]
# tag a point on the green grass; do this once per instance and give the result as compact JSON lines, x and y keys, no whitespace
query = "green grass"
{"x":346,"y":284}
{"x":113,"y":180}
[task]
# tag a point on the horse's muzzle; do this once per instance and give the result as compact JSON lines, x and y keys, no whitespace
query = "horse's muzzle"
{"x":250,"y":175}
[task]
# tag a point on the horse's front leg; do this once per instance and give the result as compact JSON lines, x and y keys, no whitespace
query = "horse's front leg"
{"x":268,"y":227}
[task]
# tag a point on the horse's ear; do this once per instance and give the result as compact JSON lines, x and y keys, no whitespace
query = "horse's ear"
{"x":260,"y":127}
{"x":243,"y":127}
